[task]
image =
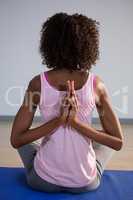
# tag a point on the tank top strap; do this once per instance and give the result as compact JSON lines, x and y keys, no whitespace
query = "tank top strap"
{"x":45,"y":79}
{"x":45,"y":76}
{"x":94,"y":82}
{"x":91,"y":86}
{"x":42,"y":79}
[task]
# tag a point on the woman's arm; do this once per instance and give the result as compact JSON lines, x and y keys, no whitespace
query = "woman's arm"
{"x":98,"y":136}
{"x":21,"y":133}
{"x":112,"y":135}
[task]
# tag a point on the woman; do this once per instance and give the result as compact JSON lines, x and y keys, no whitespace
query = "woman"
{"x":72,"y":155}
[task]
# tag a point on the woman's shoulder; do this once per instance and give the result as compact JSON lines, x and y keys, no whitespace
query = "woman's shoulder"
{"x":98,"y":81}
{"x":35,"y":83}
{"x":100,"y":87}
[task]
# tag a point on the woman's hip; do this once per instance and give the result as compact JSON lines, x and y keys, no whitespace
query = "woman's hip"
{"x":37,"y":183}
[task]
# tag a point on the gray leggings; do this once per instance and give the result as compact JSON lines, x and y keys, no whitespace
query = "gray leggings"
{"x":27,"y":153}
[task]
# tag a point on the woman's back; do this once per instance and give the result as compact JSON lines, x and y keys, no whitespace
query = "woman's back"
{"x":66,"y":157}
{"x":57,"y":78}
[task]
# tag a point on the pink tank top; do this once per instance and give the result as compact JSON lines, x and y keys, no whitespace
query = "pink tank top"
{"x":66,"y":157}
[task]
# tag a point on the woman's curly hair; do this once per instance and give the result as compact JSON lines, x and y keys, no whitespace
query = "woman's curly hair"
{"x":69,"y":41}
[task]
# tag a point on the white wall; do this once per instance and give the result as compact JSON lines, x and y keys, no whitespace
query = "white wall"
{"x":20,"y":23}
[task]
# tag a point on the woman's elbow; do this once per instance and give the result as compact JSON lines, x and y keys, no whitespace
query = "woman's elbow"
{"x":14,"y":143}
{"x":119,"y":145}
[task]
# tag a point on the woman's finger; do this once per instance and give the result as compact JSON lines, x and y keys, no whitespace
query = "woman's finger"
{"x":68,"y":94}
{"x":72,"y":103}
{"x":71,"y":93}
{"x":74,"y":93}
{"x":68,"y":89}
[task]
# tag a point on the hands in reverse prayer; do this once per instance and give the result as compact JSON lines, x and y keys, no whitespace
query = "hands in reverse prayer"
{"x":70,"y":105}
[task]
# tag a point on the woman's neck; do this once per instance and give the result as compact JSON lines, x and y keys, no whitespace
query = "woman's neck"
{"x":67,"y":71}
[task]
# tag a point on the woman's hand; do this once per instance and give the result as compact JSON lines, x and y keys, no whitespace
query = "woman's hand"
{"x":74,"y":105}
{"x":64,"y":110}
{"x":70,"y":105}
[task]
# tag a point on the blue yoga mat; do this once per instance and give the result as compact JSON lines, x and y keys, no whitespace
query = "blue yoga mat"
{"x":115,"y":185}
